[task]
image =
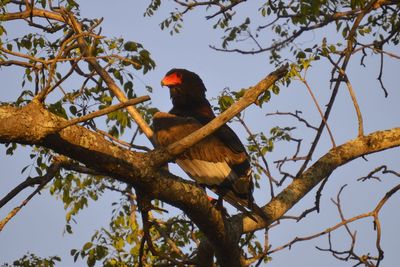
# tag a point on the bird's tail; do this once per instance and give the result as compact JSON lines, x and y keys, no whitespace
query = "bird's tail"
{"x":245,"y":205}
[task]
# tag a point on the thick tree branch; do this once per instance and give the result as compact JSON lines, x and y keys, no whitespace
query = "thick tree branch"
{"x":33,"y":124}
{"x":35,"y":12}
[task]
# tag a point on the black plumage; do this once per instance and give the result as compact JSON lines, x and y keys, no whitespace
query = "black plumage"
{"x":219,"y":161}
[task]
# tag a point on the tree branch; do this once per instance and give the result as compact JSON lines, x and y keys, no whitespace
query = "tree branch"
{"x":349,"y":50}
{"x":345,"y":222}
{"x":42,"y":181}
{"x":84,"y":47}
{"x":33,"y":124}
{"x":104,"y":111}
{"x":323,"y":167}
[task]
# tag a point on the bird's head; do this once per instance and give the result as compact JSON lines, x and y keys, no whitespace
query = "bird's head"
{"x":183,"y":82}
{"x":179,"y":77}
{"x":188,"y":94}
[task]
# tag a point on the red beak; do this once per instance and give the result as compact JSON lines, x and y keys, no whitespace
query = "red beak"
{"x":172,"y":79}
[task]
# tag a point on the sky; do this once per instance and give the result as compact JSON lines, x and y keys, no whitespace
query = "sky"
{"x":39,"y":226}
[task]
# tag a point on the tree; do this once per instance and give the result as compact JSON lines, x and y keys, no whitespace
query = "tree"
{"x":79,"y":160}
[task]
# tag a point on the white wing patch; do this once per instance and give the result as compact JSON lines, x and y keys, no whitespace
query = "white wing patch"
{"x":205,"y":172}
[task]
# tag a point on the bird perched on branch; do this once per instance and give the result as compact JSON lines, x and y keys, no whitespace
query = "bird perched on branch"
{"x":219,"y":161}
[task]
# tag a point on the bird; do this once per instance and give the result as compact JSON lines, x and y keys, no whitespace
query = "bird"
{"x":219,"y":161}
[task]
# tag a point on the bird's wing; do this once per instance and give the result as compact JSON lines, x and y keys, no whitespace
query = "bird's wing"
{"x":208,"y":162}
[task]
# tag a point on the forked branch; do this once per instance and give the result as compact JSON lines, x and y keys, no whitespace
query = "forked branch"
{"x":41,"y":181}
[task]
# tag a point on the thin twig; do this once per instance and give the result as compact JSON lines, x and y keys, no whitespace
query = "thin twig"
{"x":121,"y":142}
{"x":374,"y":213}
{"x":267,"y":172}
{"x":382,"y":168}
{"x":296,"y":115}
{"x":103,"y":111}
{"x":304,"y":81}
{"x":352,"y":95}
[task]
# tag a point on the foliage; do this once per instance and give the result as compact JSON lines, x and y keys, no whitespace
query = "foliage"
{"x":52,"y":55}
{"x":31,"y":260}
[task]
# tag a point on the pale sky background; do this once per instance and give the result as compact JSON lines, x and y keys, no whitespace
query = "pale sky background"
{"x":38,"y":228}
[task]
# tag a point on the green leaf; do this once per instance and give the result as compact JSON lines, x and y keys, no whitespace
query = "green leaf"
{"x":73,"y":252}
{"x":101,"y":252}
{"x":91,"y":260}
{"x":68,"y":228}
{"x":301,"y":54}
{"x":73,"y":110}
{"x":130,"y":46}
{"x":87,"y":246}
{"x":119,"y":244}
{"x":275,"y":89}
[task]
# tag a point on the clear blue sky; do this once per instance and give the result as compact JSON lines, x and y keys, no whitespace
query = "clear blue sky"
{"x":39,"y":226}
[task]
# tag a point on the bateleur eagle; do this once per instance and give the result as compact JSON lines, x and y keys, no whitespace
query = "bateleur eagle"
{"x":220,"y":160}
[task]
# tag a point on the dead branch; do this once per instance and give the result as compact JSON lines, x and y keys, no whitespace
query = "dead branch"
{"x":317,"y":203}
{"x":296,"y":115}
{"x":374,"y":214}
{"x":382,"y":168}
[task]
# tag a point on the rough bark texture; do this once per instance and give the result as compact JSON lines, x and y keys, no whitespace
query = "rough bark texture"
{"x":34,"y":125}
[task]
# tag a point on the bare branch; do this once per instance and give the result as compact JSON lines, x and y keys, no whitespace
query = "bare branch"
{"x":380,"y":77}
{"x":304,"y":81}
{"x":296,"y":115}
{"x":317,"y":202}
{"x":121,"y":142}
{"x":321,"y":169}
{"x":344,"y":222}
{"x":382,"y":168}
{"x":27,"y":183}
{"x":41,"y":181}
{"x":352,"y":95}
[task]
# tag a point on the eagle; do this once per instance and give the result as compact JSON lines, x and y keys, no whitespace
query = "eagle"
{"x":219,"y":161}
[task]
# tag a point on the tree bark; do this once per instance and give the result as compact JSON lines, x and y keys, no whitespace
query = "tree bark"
{"x":34,"y":125}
